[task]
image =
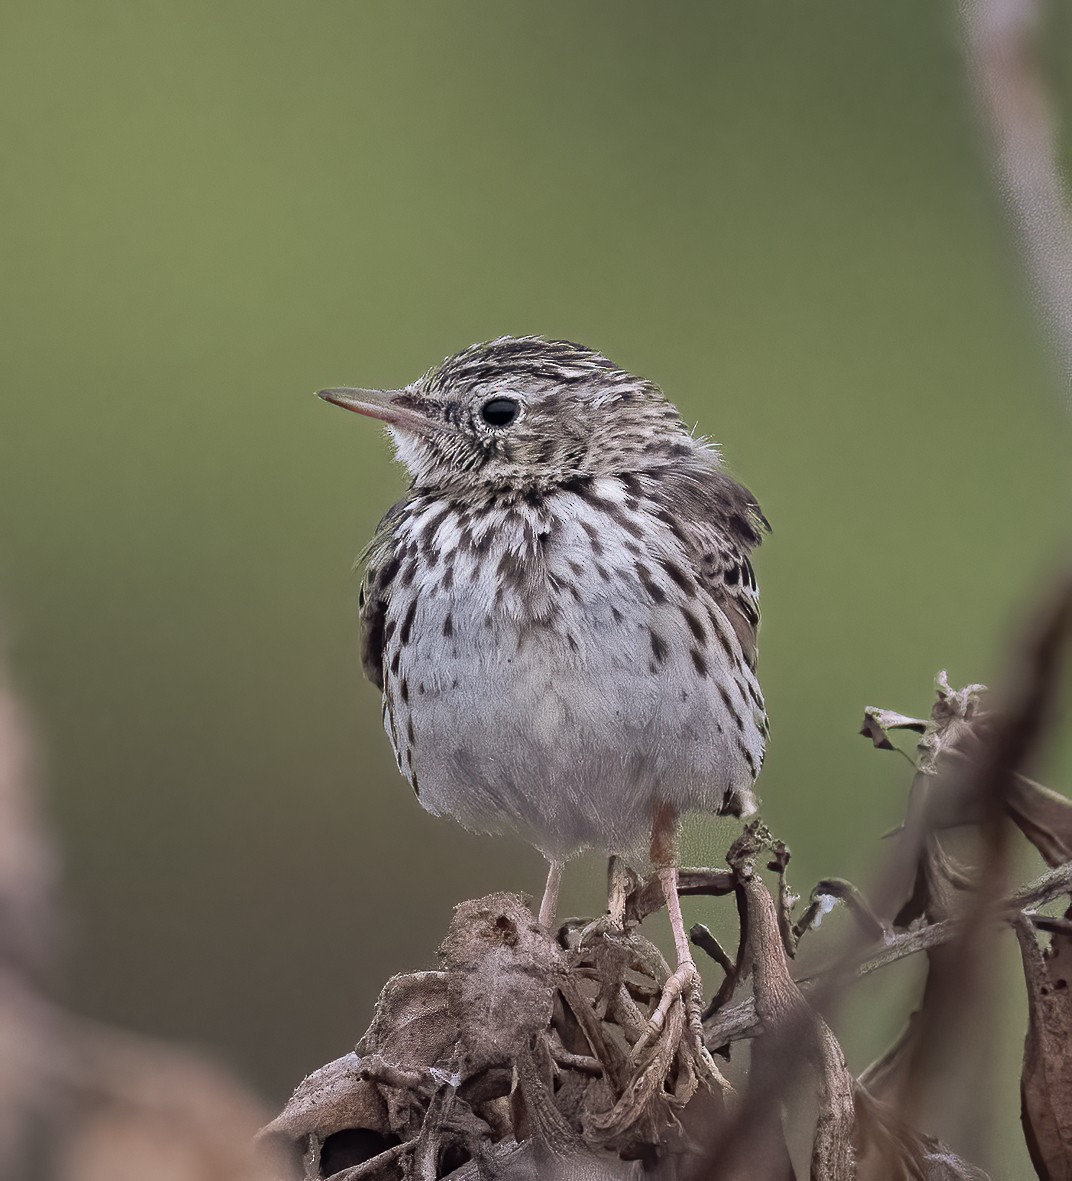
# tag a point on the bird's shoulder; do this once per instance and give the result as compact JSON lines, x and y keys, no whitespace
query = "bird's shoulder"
{"x":718,"y":522}
{"x":380,"y":563}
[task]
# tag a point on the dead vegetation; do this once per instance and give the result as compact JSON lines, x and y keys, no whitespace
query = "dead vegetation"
{"x":524,"y":1056}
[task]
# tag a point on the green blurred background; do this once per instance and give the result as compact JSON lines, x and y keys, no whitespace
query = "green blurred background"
{"x":780,"y":212}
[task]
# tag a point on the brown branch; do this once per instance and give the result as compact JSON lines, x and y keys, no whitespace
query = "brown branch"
{"x":740,"y":1022}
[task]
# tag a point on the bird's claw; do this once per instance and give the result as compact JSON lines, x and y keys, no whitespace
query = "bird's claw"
{"x":684,"y":983}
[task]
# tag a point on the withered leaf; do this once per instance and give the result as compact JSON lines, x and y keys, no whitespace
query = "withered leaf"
{"x":888,"y":1148}
{"x":1046,"y":1081}
{"x":1044,"y":817}
{"x":878,"y":722}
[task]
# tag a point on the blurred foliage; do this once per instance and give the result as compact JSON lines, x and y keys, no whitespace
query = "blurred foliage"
{"x":781,"y":213}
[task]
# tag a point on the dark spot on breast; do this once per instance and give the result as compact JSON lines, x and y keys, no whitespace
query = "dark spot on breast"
{"x":631,"y":483}
{"x":593,"y":537}
{"x":695,"y":626}
{"x":625,"y":520}
{"x":747,"y":755}
{"x":732,"y":574}
{"x":720,"y":632}
{"x":658,"y":595}
{"x":407,"y":623}
{"x":413,"y":783}
{"x":447,"y":581}
{"x":671,"y":521}
{"x":448,"y":625}
{"x":658,"y":646}
{"x":733,"y":711}
{"x":683,"y":580}
{"x":396,"y":660}
{"x":410,"y":734}
{"x":511,"y":569}
{"x":579,"y":485}
{"x":403,"y":690}
{"x":699,"y":661}
{"x":431,"y":527}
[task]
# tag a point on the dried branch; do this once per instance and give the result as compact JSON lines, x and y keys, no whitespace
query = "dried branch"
{"x":740,"y":1021}
{"x":530,"y":1054}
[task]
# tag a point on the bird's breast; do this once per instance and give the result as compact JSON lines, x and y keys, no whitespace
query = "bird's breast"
{"x":561,"y":653}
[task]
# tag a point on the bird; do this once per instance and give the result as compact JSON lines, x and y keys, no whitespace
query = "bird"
{"x":561,"y":612}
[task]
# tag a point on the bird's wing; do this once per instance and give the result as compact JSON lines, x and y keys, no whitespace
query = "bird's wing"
{"x":381,"y":560}
{"x":729,"y":578}
{"x":719,"y":522}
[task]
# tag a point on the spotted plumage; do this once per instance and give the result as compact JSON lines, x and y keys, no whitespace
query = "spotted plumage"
{"x":561,"y":612}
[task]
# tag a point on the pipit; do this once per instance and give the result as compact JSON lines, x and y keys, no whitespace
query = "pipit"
{"x":561,"y":612}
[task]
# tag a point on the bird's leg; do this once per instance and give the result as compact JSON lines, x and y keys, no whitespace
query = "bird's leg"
{"x":668,"y":881}
{"x":550,"y":894}
{"x":618,"y":892}
{"x":685,"y":981}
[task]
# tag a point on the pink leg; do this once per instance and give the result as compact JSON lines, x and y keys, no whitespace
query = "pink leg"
{"x":668,"y":881}
{"x":664,"y":858}
{"x":684,"y":981}
{"x":550,"y":895}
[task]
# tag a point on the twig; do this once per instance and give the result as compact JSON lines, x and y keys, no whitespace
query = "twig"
{"x":703,"y":939}
{"x":374,"y":1167}
{"x":740,"y":1021}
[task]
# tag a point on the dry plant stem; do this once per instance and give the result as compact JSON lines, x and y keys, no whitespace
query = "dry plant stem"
{"x":1001,"y":41}
{"x":740,"y":1021}
{"x":648,"y":898}
{"x":706,"y":942}
{"x":794,"y":1036}
{"x":958,"y":993}
{"x":374,"y":1167}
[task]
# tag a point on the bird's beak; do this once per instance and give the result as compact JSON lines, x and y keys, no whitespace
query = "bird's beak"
{"x":390,"y":406}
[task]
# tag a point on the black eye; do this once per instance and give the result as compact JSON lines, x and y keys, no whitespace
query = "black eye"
{"x":499,"y":411}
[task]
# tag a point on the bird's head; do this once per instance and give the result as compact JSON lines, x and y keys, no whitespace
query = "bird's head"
{"x":520,"y":413}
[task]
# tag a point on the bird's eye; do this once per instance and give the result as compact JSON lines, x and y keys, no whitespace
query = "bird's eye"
{"x":499,"y":411}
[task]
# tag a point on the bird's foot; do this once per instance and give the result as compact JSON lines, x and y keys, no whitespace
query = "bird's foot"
{"x":683,"y":1027}
{"x":684,"y":985}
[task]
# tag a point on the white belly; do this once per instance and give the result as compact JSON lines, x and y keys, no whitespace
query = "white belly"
{"x":568,"y":716}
